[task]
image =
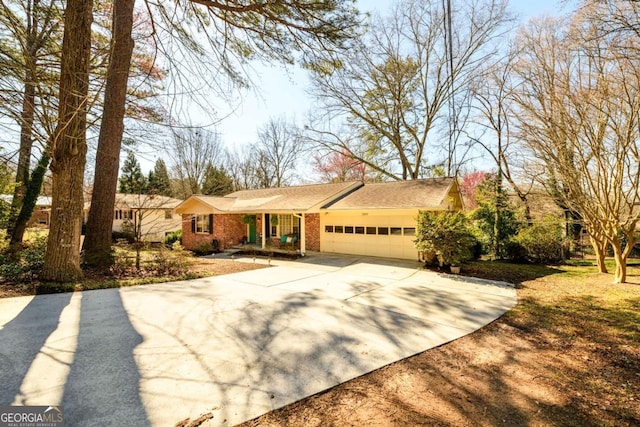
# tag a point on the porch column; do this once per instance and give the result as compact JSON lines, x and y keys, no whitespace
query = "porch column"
{"x":263,"y":234}
{"x":303,"y":237}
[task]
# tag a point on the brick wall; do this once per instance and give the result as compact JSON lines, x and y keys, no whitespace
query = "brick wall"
{"x":312,"y":231}
{"x":228,"y":230}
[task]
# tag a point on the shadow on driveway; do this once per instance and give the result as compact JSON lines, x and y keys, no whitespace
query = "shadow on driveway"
{"x":23,"y":338}
{"x":103,"y":385}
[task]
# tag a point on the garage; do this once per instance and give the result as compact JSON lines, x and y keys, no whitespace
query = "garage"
{"x":380,"y":234}
{"x":380,"y":219}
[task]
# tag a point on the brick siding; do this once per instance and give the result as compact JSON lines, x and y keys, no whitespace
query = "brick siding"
{"x":228,"y":230}
{"x":312,"y":231}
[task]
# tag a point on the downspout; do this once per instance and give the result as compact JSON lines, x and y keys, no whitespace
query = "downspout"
{"x":303,"y":240}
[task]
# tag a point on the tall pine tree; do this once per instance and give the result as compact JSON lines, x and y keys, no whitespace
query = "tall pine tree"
{"x":159,"y":181}
{"x":132,"y":181}
{"x":216,"y":182}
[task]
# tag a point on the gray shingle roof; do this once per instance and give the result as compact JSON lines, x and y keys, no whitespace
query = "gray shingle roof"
{"x":299,"y":198}
{"x":146,"y":201}
{"x":421,"y":194}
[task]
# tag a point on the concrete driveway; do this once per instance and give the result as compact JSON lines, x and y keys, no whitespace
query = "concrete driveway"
{"x":237,"y":345}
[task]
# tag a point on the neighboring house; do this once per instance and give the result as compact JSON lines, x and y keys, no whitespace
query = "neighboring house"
{"x":152,"y":216}
{"x":41,"y":216}
{"x":351,"y":218}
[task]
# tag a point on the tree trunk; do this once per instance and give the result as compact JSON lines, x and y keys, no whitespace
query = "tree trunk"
{"x":600,"y":249}
{"x":62,"y":258}
{"x":97,"y":244}
{"x":620,"y":255}
{"x":30,"y":200}
{"x":24,"y":156}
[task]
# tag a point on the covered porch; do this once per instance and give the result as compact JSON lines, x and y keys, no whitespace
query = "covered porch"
{"x":279,"y":232}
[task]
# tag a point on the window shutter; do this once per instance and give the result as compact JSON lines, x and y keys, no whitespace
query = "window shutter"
{"x":210,"y":223}
{"x":193,"y":224}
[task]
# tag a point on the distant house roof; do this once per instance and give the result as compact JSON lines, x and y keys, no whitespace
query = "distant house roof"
{"x":421,"y":194}
{"x":42,"y":201}
{"x":300,"y":198}
{"x":146,"y":201}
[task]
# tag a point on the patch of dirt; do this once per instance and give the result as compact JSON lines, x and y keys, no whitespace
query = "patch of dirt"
{"x":200,"y":266}
{"x":219,"y":267}
{"x":16,"y":290}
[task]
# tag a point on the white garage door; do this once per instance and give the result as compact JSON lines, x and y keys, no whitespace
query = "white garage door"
{"x":389,"y":236}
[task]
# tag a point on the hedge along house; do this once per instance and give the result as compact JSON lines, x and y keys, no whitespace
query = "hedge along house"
{"x":350,"y":218}
{"x":261,"y":216}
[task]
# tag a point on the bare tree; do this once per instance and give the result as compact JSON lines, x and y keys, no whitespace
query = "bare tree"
{"x":391,"y":92}
{"x":30,"y":68}
{"x":579,"y":108}
{"x":279,"y":147}
{"x":241,"y":166}
{"x":193,"y":150}
{"x":491,"y":95}
{"x":147,"y":220}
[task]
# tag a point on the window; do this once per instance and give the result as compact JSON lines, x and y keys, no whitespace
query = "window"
{"x":396,"y":231}
{"x":123,"y":214}
{"x":274,"y":230}
{"x":359,"y":230}
{"x":338,"y":229}
{"x":383,"y":231}
{"x":203,"y":224}
{"x":286,"y":224}
{"x":409,"y":231}
{"x":348,"y":229}
{"x":371,"y":230}
{"x":168,"y":215}
{"x":328,"y":228}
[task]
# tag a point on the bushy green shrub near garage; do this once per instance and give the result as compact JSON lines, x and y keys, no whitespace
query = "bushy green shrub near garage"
{"x":447,"y":234}
{"x":542,"y":242}
{"x":496,"y":218}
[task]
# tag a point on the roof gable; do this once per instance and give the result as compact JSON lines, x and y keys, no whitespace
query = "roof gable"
{"x":198,"y":204}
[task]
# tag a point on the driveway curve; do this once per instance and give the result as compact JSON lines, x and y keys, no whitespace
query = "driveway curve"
{"x":235,"y":346}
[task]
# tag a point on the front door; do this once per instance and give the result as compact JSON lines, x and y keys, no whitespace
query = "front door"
{"x":252,"y":232}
